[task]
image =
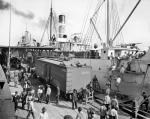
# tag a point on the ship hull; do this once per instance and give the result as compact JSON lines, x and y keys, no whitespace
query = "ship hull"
{"x":132,"y":84}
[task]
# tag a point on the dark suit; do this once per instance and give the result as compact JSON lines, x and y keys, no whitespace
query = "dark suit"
{"x":16,"y":100}
{"x":74,"y":100}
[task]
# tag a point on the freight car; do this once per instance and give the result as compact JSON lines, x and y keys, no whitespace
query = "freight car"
{"x":66,"y":74}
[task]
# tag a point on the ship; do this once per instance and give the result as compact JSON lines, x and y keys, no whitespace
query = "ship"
{"x":102,"y":61}
{"x":79,"y":49}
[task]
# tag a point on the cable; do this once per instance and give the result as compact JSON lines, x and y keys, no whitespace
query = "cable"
{"x":90,"y":31}
{"x":116,"y":23}
{"x":85,"y":19}
{"x":47,"y":23}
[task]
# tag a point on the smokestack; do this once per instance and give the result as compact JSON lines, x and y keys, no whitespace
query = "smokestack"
{"x":62,"y":26}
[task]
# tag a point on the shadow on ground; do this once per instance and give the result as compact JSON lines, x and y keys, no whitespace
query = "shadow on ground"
{"x":62,"y":106}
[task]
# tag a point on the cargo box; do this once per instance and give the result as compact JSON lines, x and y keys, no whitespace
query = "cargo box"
{"x":66,"y":74}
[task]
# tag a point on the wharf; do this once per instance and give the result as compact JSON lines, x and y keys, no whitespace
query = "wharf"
{"x":57,"y":111}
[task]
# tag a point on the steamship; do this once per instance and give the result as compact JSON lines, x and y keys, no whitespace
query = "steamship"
{"x":78,"y":52}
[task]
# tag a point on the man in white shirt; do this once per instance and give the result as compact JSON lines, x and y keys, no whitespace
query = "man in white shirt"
{"x":118,"y":81}
{"x":43,"y":114}
{"x":107,"y":101}
{"x":79,"y":114}
{"x":48,"y":93}
{"x":122,"y":70}
{"x":31,"y":108}
{"x":115,"y":103}
{"x":113,"y":113}
{"x":40,"y":91}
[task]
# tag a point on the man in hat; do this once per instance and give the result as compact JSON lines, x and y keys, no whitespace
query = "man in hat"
{"x":114,"y":102}
{"x":31,"y":108}
{"x":16,"y":100}
{"x":48,"y":93}
{"x":79,"y":114}
{"x":23,"y":98}
{"x":74,"y":99}
{"x":43,"y":114}
{"x":90,"y":113}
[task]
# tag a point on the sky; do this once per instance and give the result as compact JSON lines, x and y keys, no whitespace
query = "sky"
{"x":32,"y":14}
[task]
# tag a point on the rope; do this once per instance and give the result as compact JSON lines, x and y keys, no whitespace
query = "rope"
{"x":55,"y":21}
{"x":85,"y":19}
{"x":90,"y":31}
{"x":116,"y":22}
{"x":47,"y":23}
{"x":48,"y":34}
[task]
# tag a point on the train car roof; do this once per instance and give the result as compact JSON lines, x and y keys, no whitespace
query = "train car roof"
{"x":55,"y":61}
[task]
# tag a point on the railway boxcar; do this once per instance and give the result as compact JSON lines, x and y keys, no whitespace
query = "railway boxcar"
{"x":66,"y":74}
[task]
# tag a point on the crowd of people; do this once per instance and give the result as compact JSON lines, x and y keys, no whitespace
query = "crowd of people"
{"x":29,"y":95}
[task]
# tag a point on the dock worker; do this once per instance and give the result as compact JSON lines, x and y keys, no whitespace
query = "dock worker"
{"x":74,"y":99}
{"x":145,"y":101}
{"x":48,"y":93}
{"x":16,"y":100}
{"x":134,"y":109}
{"x":8,"y":75}
{"x":44,"y":114}
{"x":118,"y":81}
{"x":25,"y":77}
{"x":90,"y":113}
{"x":108,"y":84}
{"x":39,"y":93}
{"x":113,"y":113}
{"x":31,"y":109}
{"x":122,"y":70}
{"x":79,"y":114}
{"x":23,"y":98}
{"x":114,"y":102}
{"x":32,"y":91}
{"x":107,"y":100}
{"x":57,"y":95}
{"x":16,"y":78}
{"x":111,"y":59}
{"x":103,"y":111}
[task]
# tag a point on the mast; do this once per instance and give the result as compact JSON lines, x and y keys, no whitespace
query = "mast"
{"x":8,"y":62}
{"x":51,"y":15}
{"x":108,"y":23}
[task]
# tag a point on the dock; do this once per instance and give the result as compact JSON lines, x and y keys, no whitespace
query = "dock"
{"x":60,"y":110}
